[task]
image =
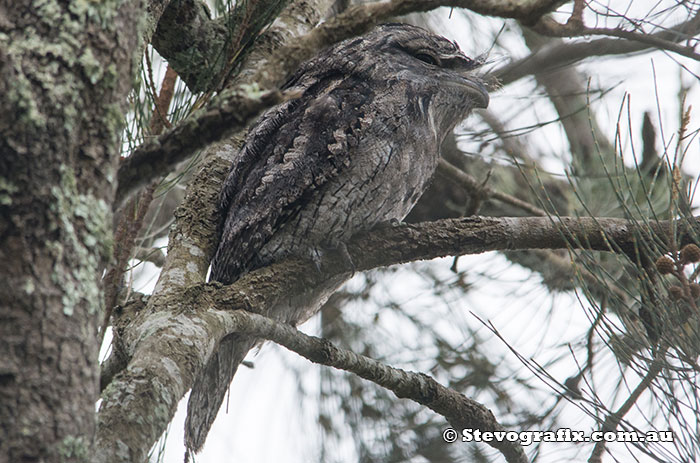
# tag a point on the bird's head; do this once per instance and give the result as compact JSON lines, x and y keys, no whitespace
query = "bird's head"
{"x":422,"y":69}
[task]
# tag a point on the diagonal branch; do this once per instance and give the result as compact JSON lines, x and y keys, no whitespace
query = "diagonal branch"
{"x":665,"y":40}
{"x":568,"y":53}
{"x":230,"y":112}
{"x":460,"y":411}
{"x":613,"y":420}
{"x":475,"y":235}
{"x":475,"y":188}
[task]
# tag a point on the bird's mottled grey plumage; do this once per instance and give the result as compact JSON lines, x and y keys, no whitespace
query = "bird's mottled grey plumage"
{"x":357,"y":147}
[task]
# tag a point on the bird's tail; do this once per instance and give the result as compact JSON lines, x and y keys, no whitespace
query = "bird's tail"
{"x":210,"y":388}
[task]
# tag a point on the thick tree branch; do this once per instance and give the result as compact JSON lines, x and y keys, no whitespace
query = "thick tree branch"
{"x":523,"y":10}
{"x":390,"y":245}
{"x":172,"y":342}
{"x":230,"y":112}
{"x":359,"y":19}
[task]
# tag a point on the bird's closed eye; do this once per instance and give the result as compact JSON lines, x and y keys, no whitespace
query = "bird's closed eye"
{"x":427,"y":58}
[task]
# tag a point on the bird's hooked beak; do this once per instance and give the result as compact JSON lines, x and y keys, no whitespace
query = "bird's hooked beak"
{"x":476,"y":90}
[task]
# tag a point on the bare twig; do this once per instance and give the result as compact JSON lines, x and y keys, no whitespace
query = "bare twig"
{"x":159,"y":117}
{"x":613,"y":419}
{"x":475,"y":187}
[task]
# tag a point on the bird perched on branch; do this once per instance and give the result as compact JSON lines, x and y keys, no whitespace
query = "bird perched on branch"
{"x":355,"y":148}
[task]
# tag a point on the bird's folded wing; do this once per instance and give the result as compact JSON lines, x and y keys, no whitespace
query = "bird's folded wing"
{"x":284,"y":164}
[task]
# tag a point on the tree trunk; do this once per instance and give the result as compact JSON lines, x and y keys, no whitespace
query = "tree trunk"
{"x":65,"y":70}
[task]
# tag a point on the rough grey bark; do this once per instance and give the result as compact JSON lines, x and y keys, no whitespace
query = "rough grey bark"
{"x":65,"y":70}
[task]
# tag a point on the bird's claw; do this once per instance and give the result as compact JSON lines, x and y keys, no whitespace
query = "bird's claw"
{"x":391,"y":223}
